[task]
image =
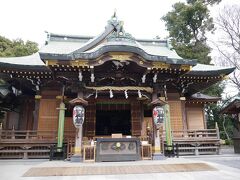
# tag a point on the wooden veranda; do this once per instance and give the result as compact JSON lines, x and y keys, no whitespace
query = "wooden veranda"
{"x":36,"y":144}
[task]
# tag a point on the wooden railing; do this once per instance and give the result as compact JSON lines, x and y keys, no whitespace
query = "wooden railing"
{"x":36,"y":144}
{"x":195,"y":142}
{"x":194,"y":134}
{"x":20,"y":135}
{"x":29,"y":144}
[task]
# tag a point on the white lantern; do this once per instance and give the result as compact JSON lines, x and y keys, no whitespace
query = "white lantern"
{"x":78,"y":116}
{"x":158,"y":115}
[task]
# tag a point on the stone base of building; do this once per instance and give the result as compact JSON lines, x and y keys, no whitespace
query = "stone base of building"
{"x":76,"y":158}
{"x":158,"y":156}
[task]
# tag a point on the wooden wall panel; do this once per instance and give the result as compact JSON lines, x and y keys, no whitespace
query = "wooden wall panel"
{"x":136,"y":115}
{"x":12,"y":120}
{"x":30,"y":114}
{"x":48,"y":115}
{"x":176,"y":115}
{"x":195,"y":117}
{"x":26,"y":114}
{"x":68,"y":125}
{"x":90,"y":120}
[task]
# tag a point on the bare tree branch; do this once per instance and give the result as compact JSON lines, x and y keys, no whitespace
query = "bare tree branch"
{"x":228,"y":46}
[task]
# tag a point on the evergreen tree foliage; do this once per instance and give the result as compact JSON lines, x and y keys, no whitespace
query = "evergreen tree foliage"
{"x":16,"y":48}
{"x":188,"y":23}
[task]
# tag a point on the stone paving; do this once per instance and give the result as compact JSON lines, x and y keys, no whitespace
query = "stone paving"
{"x":227,"y":168}
{"x":227,"y":160}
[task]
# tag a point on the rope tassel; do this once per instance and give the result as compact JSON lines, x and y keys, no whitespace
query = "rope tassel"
{"x":126,"y":94}
{"x":139,"y":94}
{"x":111,"y":93}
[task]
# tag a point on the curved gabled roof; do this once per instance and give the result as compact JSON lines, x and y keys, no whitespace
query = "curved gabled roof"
{"x":32,"y":60}
{"x":232,"y":107}
{"x":73,"y":50}
{"x":205,"y":70}
{"x":112,"y":39}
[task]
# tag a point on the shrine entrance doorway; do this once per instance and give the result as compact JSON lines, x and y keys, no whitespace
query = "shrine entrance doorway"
{"x":113,"y":118}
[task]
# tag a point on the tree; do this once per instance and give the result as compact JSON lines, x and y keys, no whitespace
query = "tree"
{"x":16,"y":47}
{"x":187,"y":25}
{"x":224,"y":122}
{"x":229,"y":45}
{"x":206,"y":2}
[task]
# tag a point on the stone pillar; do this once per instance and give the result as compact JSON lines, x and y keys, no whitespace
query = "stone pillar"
{"x":78,"y":120}
{"x":77,"y":157}
{"x":157,"y":151}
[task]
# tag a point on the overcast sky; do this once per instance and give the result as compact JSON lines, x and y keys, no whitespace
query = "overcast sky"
{"x":28,"y":19}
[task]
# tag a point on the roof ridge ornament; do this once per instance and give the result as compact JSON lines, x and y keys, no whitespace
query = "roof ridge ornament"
{"x":114,"y":14}
{"x":114,"y":20}
{"x":119,"y":33}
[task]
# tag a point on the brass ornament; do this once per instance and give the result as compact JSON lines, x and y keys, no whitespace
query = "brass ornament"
{"x":38,"y":97}
{"x":51,"y":62}
{"x":160,"y":65}
{"x":120,"y":57}
{"x":79,"y":63}
{"x":186,"y":67}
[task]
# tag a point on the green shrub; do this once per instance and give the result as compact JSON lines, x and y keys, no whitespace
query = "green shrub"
{"x":228,"y":142}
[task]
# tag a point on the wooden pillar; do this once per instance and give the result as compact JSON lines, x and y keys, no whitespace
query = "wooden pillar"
{"x":61,"y":118}
{"x":204,"y":117}
{"x":168,"y":126}
{"x":184,"y":113}
{"x":36,"y":111}
{"x":23,"y":115}
{"x":1,"y":131}
{"x":90,"y":122}
{"x":136,"y":118}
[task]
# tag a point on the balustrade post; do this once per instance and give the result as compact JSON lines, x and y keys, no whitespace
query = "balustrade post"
{"x":25,"y":155}
{"x":27,"y":134}
{"x":196,"y":150}
{"x":0,"y":131}
{"x":13,"y":132}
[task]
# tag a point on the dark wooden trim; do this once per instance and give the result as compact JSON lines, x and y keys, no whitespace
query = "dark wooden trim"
{"x":184,"y":115}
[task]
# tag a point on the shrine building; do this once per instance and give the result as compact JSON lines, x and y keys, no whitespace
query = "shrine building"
{"x":118,"y":80}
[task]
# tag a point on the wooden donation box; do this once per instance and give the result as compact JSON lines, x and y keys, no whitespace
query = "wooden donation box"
{"x":118,"y":149}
